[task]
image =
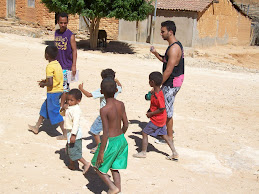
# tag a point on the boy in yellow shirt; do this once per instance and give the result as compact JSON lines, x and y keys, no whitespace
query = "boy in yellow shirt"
{"x":54,"y":83}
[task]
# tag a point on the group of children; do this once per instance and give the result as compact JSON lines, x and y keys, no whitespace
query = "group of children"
{"x":112,"y":151}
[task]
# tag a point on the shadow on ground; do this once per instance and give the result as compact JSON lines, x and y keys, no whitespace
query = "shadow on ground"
{"x":51,"y":130}
{"x":138,"y":140}
{"x":116,"y":47}
{"x":95,"y":183}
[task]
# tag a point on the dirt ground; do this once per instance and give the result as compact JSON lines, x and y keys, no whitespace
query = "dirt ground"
{"x":215,"y":121}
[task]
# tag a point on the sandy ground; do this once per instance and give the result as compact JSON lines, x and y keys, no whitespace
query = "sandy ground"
{"x":216,"y":121}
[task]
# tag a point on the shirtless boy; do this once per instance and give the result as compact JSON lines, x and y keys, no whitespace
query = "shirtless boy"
{"x":112,"y":152}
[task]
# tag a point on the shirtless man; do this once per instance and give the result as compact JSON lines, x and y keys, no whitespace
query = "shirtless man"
{"x":112,"y":152}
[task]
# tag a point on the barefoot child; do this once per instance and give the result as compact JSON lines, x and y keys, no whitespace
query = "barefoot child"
{"x":74,"y":133}
{"x":112,"y":152}
{"x":54,"y":83}
{"x":157,"y":114}
{"x":97,"y":127}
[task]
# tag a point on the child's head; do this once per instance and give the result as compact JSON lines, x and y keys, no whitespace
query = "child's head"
{"x":51,"y":52}
{"x":108,"y":73}
{"x":108,"y":87}
{"x":155,"y":79}
{"x":74,"y":97}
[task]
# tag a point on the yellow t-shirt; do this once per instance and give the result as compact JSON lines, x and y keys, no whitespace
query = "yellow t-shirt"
{"x":54,"y":70}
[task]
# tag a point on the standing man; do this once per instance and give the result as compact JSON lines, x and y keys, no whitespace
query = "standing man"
{"x":173,"y":70}
{"x":67,"y":52}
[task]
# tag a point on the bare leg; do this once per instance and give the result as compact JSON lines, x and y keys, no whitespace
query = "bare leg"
{"x":117,"y":179}
{"x":63,"y":99}
{"x":143,"y":153}
{"x":64,"y":136}
{"x":35,"y":129}
{"x":97,"y":140}
{"x":171,"y":145}
{"x":169,"y":126}
{"x":86,"y":165}
{"x":108,"y":182}
{"x":71,"y":165}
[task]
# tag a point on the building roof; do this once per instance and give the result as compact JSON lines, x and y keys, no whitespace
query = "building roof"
{"x":187,"y":5}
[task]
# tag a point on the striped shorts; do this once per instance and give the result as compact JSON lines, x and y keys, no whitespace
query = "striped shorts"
{"x":169,"y":95}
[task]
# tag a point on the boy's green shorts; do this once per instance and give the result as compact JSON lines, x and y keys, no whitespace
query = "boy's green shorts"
{"x":74,"y":151}
{"x":115,"y":154}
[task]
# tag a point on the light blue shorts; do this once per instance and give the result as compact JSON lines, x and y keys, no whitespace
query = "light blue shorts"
{"x":97,"y":126}
{"x":50,"y":108}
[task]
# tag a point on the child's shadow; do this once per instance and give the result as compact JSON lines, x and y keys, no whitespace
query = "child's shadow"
{"x":142,"y":125}
{"x":95,"y":183}
{"x":51,"y":130}
{"x":92,"y":144}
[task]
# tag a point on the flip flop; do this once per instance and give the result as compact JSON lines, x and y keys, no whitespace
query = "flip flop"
{"x":172,"y":157}
{"x":93,"y":150}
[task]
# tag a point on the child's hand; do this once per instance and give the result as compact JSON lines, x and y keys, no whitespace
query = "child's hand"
{"x":42,"y":83}
{"x":64,"y":107}
{"x":80,"y":86}
{"x":99,"y":159}
{"x":72,"y":138}
{"x":149,"y":114}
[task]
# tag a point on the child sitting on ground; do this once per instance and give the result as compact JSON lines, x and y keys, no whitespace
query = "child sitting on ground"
{"x":157,"y":114}
{"x":74,"y":133}
{"x":112,"y":152}
{"x":54,"y":83}
{"x":97,"y":127}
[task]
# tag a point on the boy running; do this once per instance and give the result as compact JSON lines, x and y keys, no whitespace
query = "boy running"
{"x":157,"y":114}
{"x":74,"y":133}
{"x":112,"y":152}
{"x":54,"y":83}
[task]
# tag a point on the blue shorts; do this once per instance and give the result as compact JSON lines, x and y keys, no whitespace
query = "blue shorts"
{"x":154,"y":130}
{"x":50,"y":108}
{"x":97,"y":126}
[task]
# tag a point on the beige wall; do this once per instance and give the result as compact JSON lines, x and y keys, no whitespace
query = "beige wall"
{"x":221,"y":23}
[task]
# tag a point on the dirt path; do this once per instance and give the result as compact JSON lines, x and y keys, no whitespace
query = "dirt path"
{"x":216,"y":124}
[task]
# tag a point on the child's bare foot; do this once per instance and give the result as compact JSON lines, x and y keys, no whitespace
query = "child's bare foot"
{"x":113,"y":191}
{"x":33,"y":129}
{"x":86,"y":167}
{"x":61,"y":137}
{"x":140,"y":155}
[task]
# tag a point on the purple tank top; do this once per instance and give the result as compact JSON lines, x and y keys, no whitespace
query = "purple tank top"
{"x":62,"y":41}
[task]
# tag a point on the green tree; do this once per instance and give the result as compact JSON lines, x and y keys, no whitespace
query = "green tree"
{"x":94,"y":10}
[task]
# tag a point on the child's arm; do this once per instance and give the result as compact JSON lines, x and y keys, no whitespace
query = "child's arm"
{"x":76,"y":120}
{"x":48,"y":82}
{"x":86,"y":93}
{"x":157,"y":111}
{"x":117,"y":82}
{"x":125,"y":122}
{"x":103,"y":114}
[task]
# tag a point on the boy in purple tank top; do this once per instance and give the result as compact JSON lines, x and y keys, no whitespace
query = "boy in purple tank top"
{"x":67,"y":52}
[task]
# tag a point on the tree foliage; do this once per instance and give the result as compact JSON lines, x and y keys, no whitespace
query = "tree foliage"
{"x":94,"y":10}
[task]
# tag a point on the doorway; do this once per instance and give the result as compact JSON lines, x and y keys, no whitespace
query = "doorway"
{"x":10,"y":8}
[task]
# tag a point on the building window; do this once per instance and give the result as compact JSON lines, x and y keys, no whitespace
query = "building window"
{"x":31,"y":3}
